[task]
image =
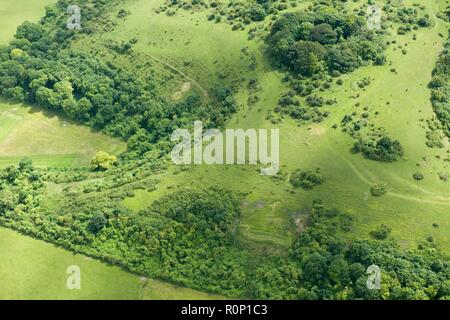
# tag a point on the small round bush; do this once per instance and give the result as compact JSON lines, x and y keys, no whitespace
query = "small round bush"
{"x":378,"y":190}
{"x":306,"y":179}
{"x":418,"y":176}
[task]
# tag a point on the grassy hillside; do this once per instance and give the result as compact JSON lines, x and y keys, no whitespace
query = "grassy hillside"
{"x":49,"y":139}
{"x":37,"y":270}
{"x":397,"y":101}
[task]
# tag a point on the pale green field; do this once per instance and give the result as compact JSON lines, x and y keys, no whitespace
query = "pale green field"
{"x":48,"y":139}
{"x":33,"y":269}
{"x":14,"y":12}
{"x":410,"y":208}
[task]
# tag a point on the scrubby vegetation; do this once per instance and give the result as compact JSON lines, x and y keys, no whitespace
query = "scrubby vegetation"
{"x":103,"y":161}
{"x":307,"y":179}
{"x":186,"y":237}
{"x":321,"y":266}
{"x":313,"y":45}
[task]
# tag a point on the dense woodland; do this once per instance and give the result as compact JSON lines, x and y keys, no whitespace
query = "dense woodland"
{"x":307,"y":43}
{"x":191,"y":237}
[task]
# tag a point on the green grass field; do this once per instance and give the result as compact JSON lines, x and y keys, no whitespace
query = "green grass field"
{"x":410,"y":208}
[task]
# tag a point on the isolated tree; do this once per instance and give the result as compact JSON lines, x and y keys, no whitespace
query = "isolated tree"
{"x":306,"y":179}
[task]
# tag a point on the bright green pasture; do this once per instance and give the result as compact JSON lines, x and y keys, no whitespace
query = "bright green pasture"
{"x":34,"y":269}
{"x":410,"y":208}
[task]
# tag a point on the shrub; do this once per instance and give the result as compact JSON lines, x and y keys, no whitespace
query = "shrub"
{"x":103,"y":161}
{"x":383,"y":149}
{"x":380,"y":59}
{"x":306,"y":179}
{"x":378,"y":190}
{"x":443,"y":176}
{"x":381,"y":232}
{"x":418,"y":176}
